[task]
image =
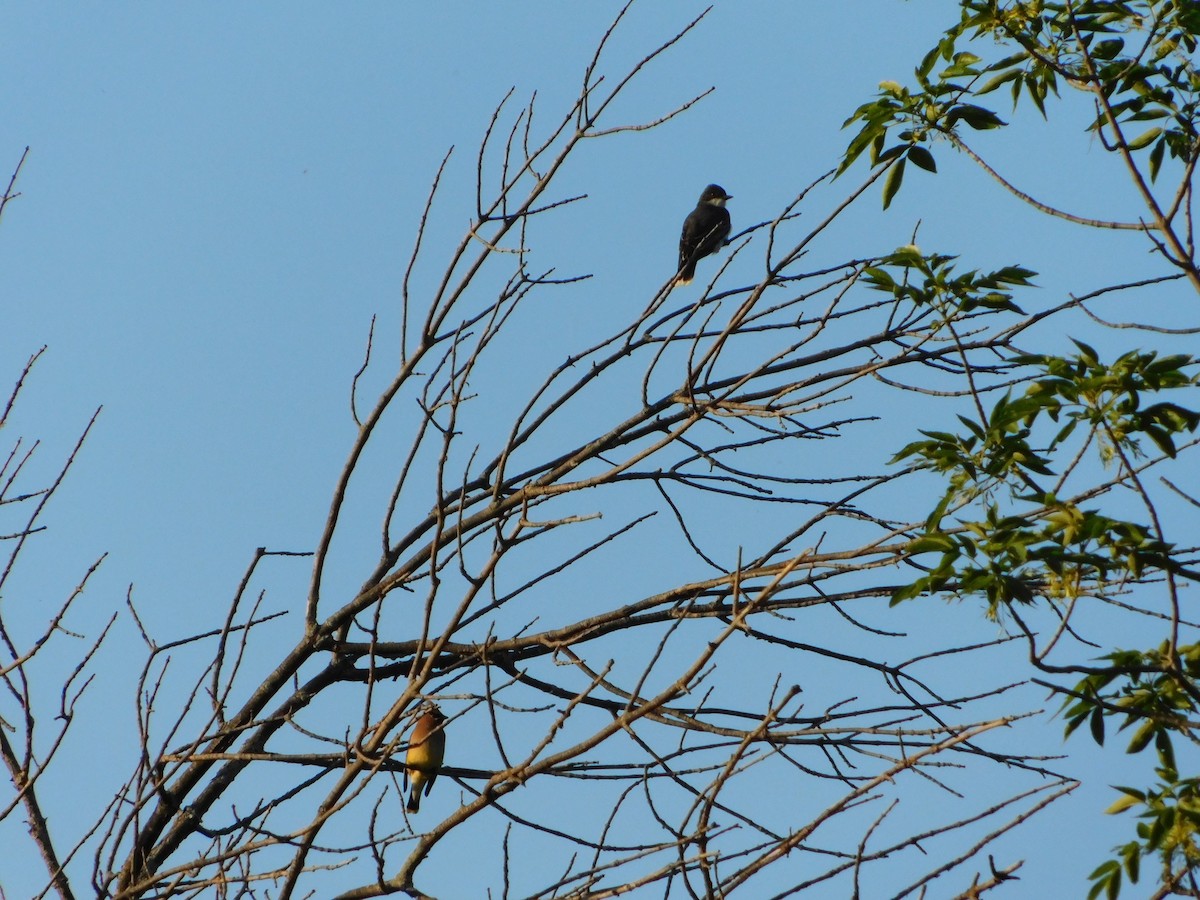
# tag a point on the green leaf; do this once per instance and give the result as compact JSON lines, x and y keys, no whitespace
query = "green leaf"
{"x":1156,"y":158}
{"x":1141,"y":737}
{"x":892,"y":184}
{"x":1122,"y":804}
{"x":932,"y":543}
{"x":908,"y":591}
{"x":1132,"y":792}
{"x":1108,"y":879}
{"x":923,"y":158}
{"x":1145,"y":139}
{"x":976,"y":117}
{"x":873,"y":131}
{"x":1109,"y":865}
{"x":1159,"y":826}
{"x":1072,"y":724}
{"x":908,"y":255}
{"x":1065,"y":432}
{"x":877,"y":145}
{"x":1097,"y":725}
{"x":1088,"y":354}
{"x":1003,"y":78}
{"x":1162,"y":440}
{"x":1133,"y":859}
{"x":1035,"y":90}
{"x":1166,"y":750}
{"x":879,"y":278}
{"x":935,"y":517}
{"x":1014,"y":275}
{"x":927,"y":63}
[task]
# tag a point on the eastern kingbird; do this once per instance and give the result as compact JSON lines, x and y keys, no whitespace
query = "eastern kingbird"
{"x":704,"y":231}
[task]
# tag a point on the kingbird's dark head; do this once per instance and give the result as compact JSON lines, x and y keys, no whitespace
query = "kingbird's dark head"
{"x":715,"y":195}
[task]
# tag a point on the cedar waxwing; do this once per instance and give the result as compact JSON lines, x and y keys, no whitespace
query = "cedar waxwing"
{"x":426,"y":747}
{"x":704,"y":231}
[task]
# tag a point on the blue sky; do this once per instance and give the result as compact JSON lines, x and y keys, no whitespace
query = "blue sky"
{"x":218,"y":198}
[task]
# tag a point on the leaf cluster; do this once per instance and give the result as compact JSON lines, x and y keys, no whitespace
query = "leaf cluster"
{"x":1047,"y":545}
{"x":940,"y":287}
{"x":1004,"y":528}
{"x":1002,"y":532}
{"x":1134,"y":58}
{"x":1154,"y":695}
{"x":1109,"y":396}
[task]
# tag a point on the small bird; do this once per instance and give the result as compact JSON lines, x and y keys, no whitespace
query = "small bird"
{"x":426,"y":748}
{"x":704,"y":231}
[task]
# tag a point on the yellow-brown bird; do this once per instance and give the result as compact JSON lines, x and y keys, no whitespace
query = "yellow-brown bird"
{"x":426,"y":748}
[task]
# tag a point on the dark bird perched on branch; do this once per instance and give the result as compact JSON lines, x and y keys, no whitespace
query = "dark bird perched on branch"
{"x":704,"y":231}
{"x":426,"y":748}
